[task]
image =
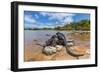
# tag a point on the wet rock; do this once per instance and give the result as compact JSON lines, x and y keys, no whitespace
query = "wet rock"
{"x":59,"y":47}
{"x":49,"y":50}
{"x":70,"y":43}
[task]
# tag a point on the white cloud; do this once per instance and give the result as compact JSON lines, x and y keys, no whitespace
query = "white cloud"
{"x":68,"y":20}
{"x":28,"y":18}
{"x":36,"y":16}
{"x":61,"y":17}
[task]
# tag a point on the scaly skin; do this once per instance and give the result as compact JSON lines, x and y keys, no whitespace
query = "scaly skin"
{"x":68,"y":50}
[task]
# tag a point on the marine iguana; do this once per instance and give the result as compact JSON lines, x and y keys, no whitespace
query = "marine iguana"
{"x":63,"y":41}
{"x":52,"y":41}
{"x":59,"y":39}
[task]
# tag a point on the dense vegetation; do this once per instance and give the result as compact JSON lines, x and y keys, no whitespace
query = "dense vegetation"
{"x":82,"y":25}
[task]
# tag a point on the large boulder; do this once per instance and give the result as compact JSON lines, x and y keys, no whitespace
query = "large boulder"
{"x":59,"y":47}
{"x":49,"y":50}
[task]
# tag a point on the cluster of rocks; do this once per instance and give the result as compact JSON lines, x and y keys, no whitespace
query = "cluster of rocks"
{"x":56,"y":43}
{"x":49,"y":50}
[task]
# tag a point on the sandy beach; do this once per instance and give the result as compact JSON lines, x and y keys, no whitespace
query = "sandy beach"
{"x":33,"y":52}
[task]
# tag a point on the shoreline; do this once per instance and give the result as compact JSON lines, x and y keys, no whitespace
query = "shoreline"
{"x":33,"y":52}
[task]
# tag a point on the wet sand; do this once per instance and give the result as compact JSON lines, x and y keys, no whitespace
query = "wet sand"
{"x":33,"y":52}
